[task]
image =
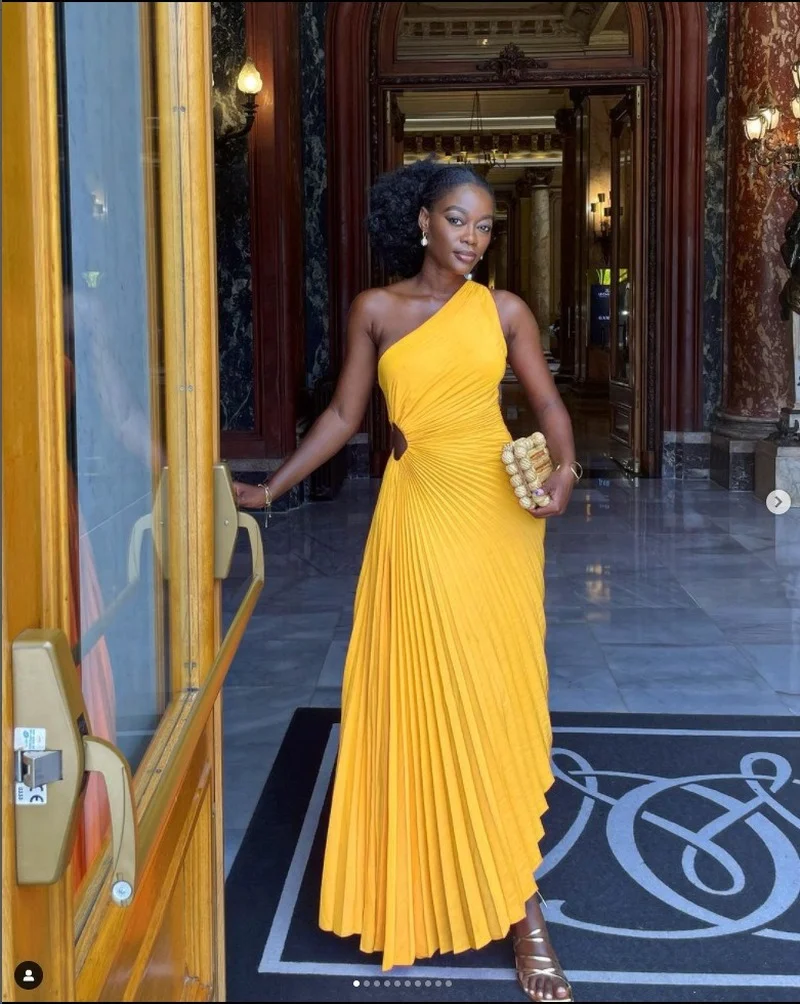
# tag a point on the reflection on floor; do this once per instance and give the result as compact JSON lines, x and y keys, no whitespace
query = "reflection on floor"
{"x":661,"y":597}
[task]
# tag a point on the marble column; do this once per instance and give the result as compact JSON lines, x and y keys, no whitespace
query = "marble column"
{"x":315,"y":189}
{"x":758,"y":351}
{"x":234,"y":252}
{"x":714,"y":244}
{"x":540,"y":180}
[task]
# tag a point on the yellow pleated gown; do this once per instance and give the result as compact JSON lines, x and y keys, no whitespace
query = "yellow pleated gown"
{"x":444,"y":753}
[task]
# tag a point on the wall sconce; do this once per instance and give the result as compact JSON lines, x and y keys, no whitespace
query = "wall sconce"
{"x":761,"y":122}
{"x":605,"y":219}
{"x":249,"y":84}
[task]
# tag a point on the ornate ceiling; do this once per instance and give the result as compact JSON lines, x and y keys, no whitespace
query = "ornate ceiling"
{"x":519,"y":124}
{"x":457,"y":31}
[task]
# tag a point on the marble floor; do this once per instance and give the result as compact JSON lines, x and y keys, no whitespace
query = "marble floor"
{"x":661,"y":597}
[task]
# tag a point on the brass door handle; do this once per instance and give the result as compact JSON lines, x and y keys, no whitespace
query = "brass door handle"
{"x":54,"y":748}
{"x":103,"y":757}
{"x":227,"y":522}
{"x":52,"y":736}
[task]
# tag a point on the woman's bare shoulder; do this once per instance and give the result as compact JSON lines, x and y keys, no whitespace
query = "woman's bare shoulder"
{"x":510,"y":307}
{"x":378,"y":297}
{"x":510,"y":301}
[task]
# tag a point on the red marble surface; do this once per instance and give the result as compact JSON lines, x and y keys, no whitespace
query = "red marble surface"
{"x":764,"y":42}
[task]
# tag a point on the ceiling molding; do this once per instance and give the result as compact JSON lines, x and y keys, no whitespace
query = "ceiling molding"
{"x":458,"y":31}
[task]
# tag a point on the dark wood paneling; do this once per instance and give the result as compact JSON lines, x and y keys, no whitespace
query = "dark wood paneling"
{"x":682,"y":57}
{"x":272,"y":31}
{"x":347,"y":51}
{"x":668,"y":58}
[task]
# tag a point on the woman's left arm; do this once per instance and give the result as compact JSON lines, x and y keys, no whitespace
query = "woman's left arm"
{"x":530,"y":366}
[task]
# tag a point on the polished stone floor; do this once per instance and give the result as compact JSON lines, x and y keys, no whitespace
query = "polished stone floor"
{"x":661,"y":597}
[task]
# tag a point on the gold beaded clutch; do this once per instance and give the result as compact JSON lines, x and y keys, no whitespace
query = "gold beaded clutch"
{"x":528,"y":464}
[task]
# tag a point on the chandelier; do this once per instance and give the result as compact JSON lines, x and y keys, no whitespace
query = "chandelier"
{"x":485,"y":159}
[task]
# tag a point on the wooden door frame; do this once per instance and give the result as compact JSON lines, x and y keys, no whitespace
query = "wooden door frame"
{"x":90,"y":949}
{"x":33,"y":514}
{"x":669,"y":53}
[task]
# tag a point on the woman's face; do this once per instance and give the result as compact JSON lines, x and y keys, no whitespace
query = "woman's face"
{"x":459,"y":227}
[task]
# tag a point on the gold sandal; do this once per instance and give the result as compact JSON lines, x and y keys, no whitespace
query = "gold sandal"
{"x":553,"y":969}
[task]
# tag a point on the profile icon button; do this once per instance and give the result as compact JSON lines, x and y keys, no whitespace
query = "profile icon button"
{"x":28,"y":975}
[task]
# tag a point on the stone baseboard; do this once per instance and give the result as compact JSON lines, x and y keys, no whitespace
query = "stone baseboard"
{"x":733,"y":462}
{"x":777,"y":467}
{"x":686,"y":456}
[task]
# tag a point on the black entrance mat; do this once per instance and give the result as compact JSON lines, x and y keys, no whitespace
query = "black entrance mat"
{"x":672,"y":871}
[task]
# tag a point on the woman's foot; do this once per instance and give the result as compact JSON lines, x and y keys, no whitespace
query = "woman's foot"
{"x":538,"y":970}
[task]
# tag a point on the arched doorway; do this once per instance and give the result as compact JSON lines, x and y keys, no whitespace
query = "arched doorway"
{"x":666,"y":61}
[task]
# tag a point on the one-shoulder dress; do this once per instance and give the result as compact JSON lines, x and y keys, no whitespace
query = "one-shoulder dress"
{"x":444,"y":750}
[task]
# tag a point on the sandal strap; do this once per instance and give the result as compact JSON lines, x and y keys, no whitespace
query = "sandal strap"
{"x":525,"y":975}
{"x":535,"y":935}
{"x":529,"y":972}
{"x":537,"y":958}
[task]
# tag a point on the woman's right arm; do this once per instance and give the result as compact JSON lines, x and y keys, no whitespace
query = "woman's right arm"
{"x":340,"y":420}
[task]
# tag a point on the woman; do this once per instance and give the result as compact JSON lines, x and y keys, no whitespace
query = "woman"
{"x":444,"y":756}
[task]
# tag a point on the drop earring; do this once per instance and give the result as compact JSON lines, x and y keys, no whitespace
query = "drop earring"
{"x":424,"y":240}
{"x":469,"y":274}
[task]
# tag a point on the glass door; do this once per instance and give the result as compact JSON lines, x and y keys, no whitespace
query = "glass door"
{"x":578,"y":316}
{"x":113,"y":652}
{"x":125,"y":422}
{"x":625,"y":386}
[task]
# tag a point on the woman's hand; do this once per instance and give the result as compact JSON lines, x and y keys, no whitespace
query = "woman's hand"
{"x":249,"y":496}
{"x":559,"y":487}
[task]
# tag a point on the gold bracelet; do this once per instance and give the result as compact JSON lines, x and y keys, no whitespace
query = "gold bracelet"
{"x":576,"y":474}
{"x":267,"y":503}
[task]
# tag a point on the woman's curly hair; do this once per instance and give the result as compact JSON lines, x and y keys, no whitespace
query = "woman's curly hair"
{"x":395,"y":201}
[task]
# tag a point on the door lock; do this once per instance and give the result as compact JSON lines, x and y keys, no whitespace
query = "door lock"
{"x":51,"y":760}
{"x":35,"y":768}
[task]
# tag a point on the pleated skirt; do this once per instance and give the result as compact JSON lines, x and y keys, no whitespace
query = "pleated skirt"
{"x":444,"y":753}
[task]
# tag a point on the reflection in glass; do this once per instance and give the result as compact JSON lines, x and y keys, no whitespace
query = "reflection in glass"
{"x":112,"y":317}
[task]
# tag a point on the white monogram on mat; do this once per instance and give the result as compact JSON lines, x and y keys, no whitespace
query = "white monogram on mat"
{"x":643,"y":833}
